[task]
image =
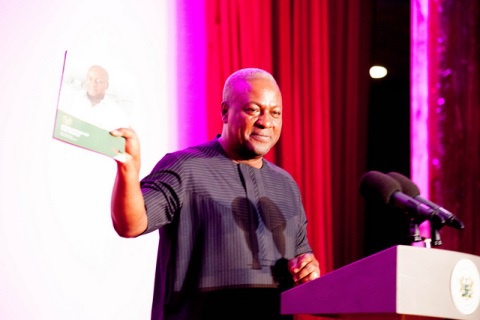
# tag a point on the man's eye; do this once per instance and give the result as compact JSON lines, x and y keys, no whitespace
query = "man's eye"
{"x":276,"y":113}
{"x":252,"y":110}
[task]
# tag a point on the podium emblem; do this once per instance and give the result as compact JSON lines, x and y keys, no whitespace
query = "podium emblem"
{"x":465,"y":286}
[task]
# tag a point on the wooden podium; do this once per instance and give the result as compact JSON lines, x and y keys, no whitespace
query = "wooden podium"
{"x":402,"y":282}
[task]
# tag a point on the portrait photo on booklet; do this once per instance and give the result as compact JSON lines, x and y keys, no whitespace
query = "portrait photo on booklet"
{"x":88,"y":109}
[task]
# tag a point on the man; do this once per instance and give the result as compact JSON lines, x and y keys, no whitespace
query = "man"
{"x":94,"y":105}
{"x":96,"y":84}
{"x":232,"y":225}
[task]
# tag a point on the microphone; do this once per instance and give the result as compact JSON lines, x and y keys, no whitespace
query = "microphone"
{"x":375,"y":184}
{"x":409,"y":188}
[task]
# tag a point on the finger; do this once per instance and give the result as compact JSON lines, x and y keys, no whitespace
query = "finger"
{"x":299,"y":262}
{"x":309,"y":277}
{"x":116,"y":132}
{"x":123,"y":132}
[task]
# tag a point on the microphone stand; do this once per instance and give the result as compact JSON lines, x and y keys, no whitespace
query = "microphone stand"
{"x":436,"y":240}
{"x":414,"y":236}
{"x":436,"y":223}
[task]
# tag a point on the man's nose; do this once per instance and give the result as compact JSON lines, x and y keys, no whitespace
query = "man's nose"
{"x":265,"y":120}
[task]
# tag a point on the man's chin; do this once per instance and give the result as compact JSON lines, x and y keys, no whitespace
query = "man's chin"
{"x":259,"y":150}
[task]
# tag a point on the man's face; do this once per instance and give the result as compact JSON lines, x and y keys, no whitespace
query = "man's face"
{"x":254,"y":119}
{"x":97,"y":83}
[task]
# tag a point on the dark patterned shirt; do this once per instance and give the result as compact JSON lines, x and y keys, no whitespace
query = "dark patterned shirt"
{"x":222,"y":226}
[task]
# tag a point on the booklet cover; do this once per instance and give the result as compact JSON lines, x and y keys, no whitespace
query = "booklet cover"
{"x":87,"y":110}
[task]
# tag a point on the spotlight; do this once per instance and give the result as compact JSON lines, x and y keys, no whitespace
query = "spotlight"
{"x":377,"y":72}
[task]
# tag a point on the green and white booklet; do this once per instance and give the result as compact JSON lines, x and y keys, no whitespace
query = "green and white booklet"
{"x":88,"y":109}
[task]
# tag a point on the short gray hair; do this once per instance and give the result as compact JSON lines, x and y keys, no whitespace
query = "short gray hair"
{"x":239,"y":79}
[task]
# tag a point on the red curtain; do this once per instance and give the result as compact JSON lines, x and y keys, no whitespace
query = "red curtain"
{"x":239,"y":35}
{"x":302,"y":69}
{"x":350,"y":29}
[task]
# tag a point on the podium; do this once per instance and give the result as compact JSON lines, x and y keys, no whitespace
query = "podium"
{"x":402,"y":282}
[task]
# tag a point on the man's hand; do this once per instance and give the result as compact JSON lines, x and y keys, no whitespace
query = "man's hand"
{"x":128,"y":209}
{"x":304,"y":268}
{"x":132,"y":146}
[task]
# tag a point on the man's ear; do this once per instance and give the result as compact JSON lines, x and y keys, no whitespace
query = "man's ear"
{"x":224,"y":112}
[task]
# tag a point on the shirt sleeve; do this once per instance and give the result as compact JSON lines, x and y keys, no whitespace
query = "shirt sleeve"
{"x":163,"y":191}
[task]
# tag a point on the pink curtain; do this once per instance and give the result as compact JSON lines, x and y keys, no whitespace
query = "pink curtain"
{"x":454,"y":115}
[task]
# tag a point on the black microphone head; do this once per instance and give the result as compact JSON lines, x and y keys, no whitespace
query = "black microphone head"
{"x":408,"y":187}
{"x":378,"y":185}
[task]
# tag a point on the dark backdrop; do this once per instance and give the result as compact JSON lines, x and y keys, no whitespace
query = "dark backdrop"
{"x":388,"y":126}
